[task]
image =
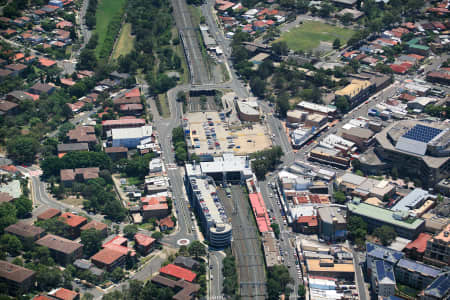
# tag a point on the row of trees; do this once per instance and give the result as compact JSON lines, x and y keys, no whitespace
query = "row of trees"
{"x":19,"y":208}
{"x":229,"y":271}
{"x":90,"y":18}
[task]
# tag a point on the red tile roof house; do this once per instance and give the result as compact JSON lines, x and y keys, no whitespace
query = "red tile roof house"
{"x":144,"y":243}
{"x":166,"y":224}
{"x":119,"y":243}
{"x":117,"y":153}
{"x":18,"y":279}
{"x":154,"y":207}
{"x":102,"y":227}
{"x":46,"y":63}
{"x":108,"y":259}
{"x":49,"y":213}
{"x":24,"y":230}
{"x":173,"y":271}
{"x":83,"y":134}
{"x":416,"y":248}
{"x":65,"y":294}
{"x":131,"y":109}
{"x":68,"y":176}
{"x":62,"y":250}
{"x":75,"y":223}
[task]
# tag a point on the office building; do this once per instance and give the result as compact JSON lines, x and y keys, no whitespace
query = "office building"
{"x":202,"y":194}
{"x":328,"y":268}
{"x":332,"y":223}
{"x":227,"y":168}
{"x":417,"y":150}
{"x":404,"y":225}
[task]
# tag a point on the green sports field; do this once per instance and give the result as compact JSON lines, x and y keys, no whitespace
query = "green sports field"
{"x":307,"y":36}
{"x":106,"y":10}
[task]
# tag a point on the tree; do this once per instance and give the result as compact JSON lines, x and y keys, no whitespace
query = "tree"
{"x":339,"y":197}
{"x":385,"y":233}
{"x":280,"y":48}
{"x":157,"y":235}
{"x":11,"y":244}
{"x":23,"y":149}
{"x":336,"y":43}
{"x":283,"y":104}
{"x":91,"y":240}
{"x":197,"y":249}
{"x":7,"y":215}
{"x":342,"y":104}
{"x":258,"y":86}
{"x":277,"y":281}
{"x":55,"y":226}
{"x":276,"y":229}
{"x":130,"y":230}
{"x":117,"y":274}
{"x":24,"y":206}
{"x":357,"y":230}
{"x":88,"y":60}
{"x":301,"y":291}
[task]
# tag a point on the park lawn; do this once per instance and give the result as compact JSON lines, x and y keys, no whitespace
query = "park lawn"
{"x":125,"y":43}
{"x":106,"y":10}
{"x":307,"y":36}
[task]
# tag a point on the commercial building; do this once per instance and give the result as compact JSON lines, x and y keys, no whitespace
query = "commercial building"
{"x":296,"y":116}
{"x":129,"y":137}
{"x":227,"y":168}
{"x":326,"y":110}
{"x":438,"y":249}
{"x":329,"y":156}
{"x":122,"y":123}
{"x":332,"y":223}
{"x":62,"y":250}
{"x":383,"y":279}
{"x":414,"y":274}
{"x":356,"y":92}
{"x":202,"y":194}
{"x":327,"y":267}
{"x":306,"y":225}
{"x":417,"y":150}
{"x":248,"y":111}
{"x":404,"y":225}
{"x":24,"y":230}
{"x":365,"y":187}
{"x":17,"y":279}
{"x":360,"y":136}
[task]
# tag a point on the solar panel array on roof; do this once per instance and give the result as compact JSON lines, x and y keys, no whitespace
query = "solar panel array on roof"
{"x":420,"y":268}
{"x":439,"y":287}
{"x":422,"y":133}
{"x":384,"y":270}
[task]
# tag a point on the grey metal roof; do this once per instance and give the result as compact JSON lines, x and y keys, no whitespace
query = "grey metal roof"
{"x":411,"y":200}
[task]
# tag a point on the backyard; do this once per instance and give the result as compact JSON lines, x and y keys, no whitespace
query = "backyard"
{"x":125,"y":43}
{"x":308,"y":35}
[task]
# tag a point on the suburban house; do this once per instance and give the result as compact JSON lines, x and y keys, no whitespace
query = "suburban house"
{"x":74,"y":222}
{"x":68,"y":176}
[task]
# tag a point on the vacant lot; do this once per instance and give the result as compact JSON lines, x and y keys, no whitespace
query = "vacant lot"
{"x":106,"y":10}
{"x":125,"y":43}
{"x":308,"y":35}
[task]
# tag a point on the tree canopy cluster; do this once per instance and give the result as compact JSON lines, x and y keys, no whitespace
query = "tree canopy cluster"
{"x":266,"y":160}
{"x":278,"y":279}
{"x":229,"y":271}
